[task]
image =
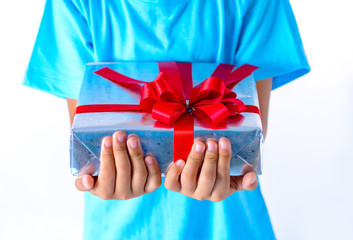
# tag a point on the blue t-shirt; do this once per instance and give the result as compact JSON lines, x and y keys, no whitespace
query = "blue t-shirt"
{"x":257,"y":32}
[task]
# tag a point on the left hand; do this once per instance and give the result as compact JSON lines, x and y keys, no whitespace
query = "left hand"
{"x":213,"y":182}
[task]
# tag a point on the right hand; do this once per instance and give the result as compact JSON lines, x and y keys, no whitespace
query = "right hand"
{"x":124,"y":170}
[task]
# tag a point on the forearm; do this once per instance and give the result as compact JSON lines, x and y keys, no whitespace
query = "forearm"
{"x":264,"y":88}
{"x":71,"y":103}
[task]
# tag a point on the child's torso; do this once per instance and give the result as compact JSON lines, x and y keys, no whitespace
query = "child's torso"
{"x":181,"y":30}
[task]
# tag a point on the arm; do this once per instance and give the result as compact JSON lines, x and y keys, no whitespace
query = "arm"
{"x":124,"y":171}
{"x":71,"y":104}
{"x":264,"y":88}
{"x":213,"y":181}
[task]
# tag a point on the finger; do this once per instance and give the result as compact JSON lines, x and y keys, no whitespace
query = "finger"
{"x":222,"y":185}
{"x":225,"y":153}
{"x":171,"y":181}
{"x":84,"y":183}
{"x":123,"y":167}
{"x":105,"y":184}
{"x":154,"y":174}
{"x":189,"y":174}
{"x":208,"y":173}
{"x":249,"y":182}
{"x":138,"y":166}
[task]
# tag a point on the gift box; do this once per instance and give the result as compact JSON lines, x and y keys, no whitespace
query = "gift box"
{"x":167,"y":104}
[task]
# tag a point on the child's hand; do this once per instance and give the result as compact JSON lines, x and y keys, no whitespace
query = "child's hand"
{"x":120,"y":176}
{"x":213,"y":182}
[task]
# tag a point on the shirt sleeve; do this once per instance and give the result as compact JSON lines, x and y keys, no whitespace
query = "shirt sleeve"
{"x":62,"y":49}
{"x":270,"y":39}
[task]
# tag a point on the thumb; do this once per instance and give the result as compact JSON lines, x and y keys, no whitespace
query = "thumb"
{"x":84,"y":183}
{"x":250,"y":181}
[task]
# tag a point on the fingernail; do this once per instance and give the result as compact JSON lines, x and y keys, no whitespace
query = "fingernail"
{"x":179,"y":163}
{"x":253,"y":181}
{"x":133,"y":144}
{"x":149,"y":160}
{"x":198,"y":147}
{"x":107,"y":143}
{"x":121,"y":138}
{"x":224,"y":145}
{"x":211,"y":146}
{"x":85,"y":182}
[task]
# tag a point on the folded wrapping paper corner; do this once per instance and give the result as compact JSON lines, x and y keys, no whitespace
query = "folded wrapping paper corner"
{"x":172,"y":99}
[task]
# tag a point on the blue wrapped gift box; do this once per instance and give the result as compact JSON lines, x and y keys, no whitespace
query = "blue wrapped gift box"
{"x":244,"y":130}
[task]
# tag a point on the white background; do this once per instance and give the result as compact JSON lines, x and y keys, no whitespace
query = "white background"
{"x":307,"y":179}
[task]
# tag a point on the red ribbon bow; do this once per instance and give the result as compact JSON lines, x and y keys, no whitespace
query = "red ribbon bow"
{"x":212,"y":101}
{"x":208,"y":101}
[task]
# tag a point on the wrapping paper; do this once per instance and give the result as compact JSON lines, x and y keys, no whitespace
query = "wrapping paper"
{"x":243,"y":130}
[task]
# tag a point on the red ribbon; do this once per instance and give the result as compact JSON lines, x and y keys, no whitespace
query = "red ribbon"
{"x":172,"y":100}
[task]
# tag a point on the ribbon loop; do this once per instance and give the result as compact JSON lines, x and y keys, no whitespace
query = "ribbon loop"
{"x":209,"y":91}
{"x":213,"y":114}
{"x":167,"y":112}
{"x":148,"y":97}
{"x":164,"y":90}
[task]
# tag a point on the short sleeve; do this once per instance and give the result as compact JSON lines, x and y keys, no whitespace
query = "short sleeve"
{"x":270,"y":39}
{"x":62,"y":49}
